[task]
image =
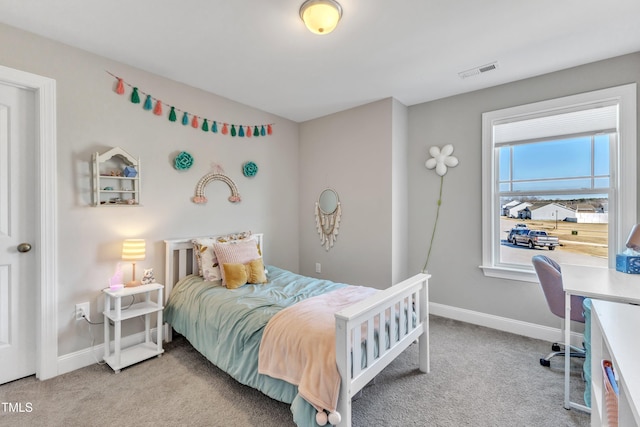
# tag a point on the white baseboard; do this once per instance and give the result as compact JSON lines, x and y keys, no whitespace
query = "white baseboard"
{"x":531,"y":330}
{"x":95,"y":354}
{"x":89,"y":356}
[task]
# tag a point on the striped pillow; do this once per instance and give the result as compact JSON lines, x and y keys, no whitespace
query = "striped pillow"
{"x":236,"y":252}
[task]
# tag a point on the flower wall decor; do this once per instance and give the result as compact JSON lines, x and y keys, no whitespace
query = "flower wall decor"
{"x":183,"y":161}
{"x":440,"y":160}
{"x":249,"y":169}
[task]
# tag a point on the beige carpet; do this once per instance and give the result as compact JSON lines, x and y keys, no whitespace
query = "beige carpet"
{"x":479,"y":377}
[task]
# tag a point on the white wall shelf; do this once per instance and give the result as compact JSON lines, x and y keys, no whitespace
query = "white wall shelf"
{"x":114,"y":190}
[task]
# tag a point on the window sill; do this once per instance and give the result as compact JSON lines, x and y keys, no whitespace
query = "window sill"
{"x":510,"y":273}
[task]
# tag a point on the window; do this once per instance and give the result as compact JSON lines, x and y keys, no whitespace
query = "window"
{"x":565,"y":166}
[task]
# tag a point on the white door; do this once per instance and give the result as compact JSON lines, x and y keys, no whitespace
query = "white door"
{"x":17,"y":233}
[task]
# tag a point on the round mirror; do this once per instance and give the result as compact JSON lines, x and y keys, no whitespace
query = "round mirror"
{"x":328,"y":201}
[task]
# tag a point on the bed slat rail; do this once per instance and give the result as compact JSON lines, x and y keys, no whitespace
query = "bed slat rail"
{"x":398,"y":301}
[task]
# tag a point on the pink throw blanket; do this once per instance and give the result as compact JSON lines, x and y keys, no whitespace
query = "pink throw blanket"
{"x":299,"y":345}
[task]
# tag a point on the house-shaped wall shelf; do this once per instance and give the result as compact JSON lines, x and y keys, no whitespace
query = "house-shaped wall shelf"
{"x":116,"y":178}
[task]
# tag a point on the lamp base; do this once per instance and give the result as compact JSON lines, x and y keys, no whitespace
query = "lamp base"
{"x":133,"y":283}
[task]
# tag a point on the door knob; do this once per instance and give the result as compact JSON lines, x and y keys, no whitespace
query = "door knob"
{"x":24,"y":247}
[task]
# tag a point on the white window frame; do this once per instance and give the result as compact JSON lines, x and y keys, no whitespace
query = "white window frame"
{"x":623,"y":194}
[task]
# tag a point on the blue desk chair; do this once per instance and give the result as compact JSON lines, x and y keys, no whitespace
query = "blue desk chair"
{"x":550,"y":278}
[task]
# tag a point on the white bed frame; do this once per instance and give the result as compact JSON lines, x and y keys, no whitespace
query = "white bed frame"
{"x":387,"y":304}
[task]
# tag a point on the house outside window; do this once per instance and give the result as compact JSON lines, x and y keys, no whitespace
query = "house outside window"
{"x":566,"y":167}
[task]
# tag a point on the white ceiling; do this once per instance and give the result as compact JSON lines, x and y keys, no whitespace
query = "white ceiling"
{"x":259,"y":53}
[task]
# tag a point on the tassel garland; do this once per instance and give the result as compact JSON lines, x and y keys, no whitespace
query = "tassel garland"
{"x":154,"y":104}
{"x":148,"y":105}
{"x":158,"y":109}
{"x":135,"y":98}
{"x":120,"y":87}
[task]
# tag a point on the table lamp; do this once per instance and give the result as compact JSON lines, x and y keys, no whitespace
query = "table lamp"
{"x":633,"y":241}
{"x":133,"y":250}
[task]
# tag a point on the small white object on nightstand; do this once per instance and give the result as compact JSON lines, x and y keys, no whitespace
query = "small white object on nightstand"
{"x":121,"y":358}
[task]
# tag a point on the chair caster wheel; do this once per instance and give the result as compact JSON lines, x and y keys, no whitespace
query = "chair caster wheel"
{"x":555,"y":347}
{"x":545,"y":362}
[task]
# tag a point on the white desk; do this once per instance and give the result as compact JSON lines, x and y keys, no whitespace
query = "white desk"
{"x":597,"y":283}
{"x":614,"y":336}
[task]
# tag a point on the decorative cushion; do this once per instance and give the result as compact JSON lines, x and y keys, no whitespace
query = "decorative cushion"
{"x":236,"y":252}
{"x":237,"y":275}
{"x":234,"y":236}
{"x":208,"y":266}
{"x":256,"y":273}
{"x":207,"y":262}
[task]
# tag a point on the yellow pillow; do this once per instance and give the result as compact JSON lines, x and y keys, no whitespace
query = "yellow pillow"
{"x":255,"y":271}
{"x":237,"y":275}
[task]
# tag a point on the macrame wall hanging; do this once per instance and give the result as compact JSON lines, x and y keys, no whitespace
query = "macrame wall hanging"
{"x":328,"y":212}
{"x":200,"y":197}
{"x":154,"y":104}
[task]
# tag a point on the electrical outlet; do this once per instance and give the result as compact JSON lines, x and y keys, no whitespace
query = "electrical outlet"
{"x":318,"y":268}
{"x":83,"y":309}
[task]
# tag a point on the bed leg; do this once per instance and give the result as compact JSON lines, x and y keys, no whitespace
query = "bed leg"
{"x":423,"y":340}
{"x":344,"y":409}
{"x":344,"y":368}
{"x":423,"y":349}
{"x":167,"y":333}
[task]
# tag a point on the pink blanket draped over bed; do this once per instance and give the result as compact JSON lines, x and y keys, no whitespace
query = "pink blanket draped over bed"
{"x":299,"y":345}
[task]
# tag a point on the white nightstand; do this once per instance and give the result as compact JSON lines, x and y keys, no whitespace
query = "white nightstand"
{"x":121,"y":358}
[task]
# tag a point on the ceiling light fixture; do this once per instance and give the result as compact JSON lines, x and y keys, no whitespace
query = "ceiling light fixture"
{"x":321,"y":16}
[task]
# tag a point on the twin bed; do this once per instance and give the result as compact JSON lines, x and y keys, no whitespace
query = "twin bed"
{"x":352,"y":333}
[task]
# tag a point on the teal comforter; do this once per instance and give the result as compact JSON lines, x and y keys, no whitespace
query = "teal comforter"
{"x":226,"y":326}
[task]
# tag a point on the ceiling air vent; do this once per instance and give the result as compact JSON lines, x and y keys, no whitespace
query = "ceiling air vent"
{"x":478,"y":70}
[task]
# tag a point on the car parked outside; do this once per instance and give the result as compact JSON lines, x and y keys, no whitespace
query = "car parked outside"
{"x":518,"y":229}
{"x":536,"y":238}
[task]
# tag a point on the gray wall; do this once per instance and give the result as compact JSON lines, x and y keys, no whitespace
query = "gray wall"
{"x":92,"y":117}
{"x":400,"y":192}
{"x":457,"y":281}
{"x":351,"y":152}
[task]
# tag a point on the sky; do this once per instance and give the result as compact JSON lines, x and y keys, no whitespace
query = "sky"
{"x":558,"y":164}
